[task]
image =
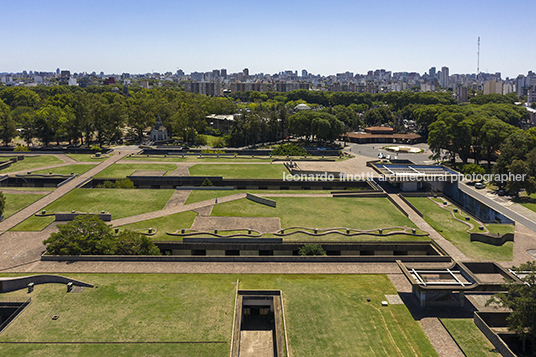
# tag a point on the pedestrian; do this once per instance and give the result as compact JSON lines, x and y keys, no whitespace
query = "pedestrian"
{"x":216,"y":200}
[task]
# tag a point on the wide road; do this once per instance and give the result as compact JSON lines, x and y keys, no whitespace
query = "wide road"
{"x":480,"y":195}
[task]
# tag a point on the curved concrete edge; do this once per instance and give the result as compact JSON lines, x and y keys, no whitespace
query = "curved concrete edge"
{"x":21,"y":282}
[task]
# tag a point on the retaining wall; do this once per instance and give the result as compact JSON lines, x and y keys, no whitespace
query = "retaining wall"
{"x":261,"y":200}
{"x":17,"y":283}
{"x":61,"y":216}
{"x":493,"y":239}
{"x":486,"y":320}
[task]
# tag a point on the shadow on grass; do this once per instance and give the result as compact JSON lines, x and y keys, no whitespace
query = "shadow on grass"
{"x":451,"y":312}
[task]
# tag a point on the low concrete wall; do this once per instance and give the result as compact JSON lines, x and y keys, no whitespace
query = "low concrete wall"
{"x":477,"y":208}
{"x":61,"y":216}
{"x":247,"y":259}
{"x":204,"y":188}
{"x":12,"y":284}
{"x":493,"y":239}
{"x":261,"y":200}
{"x":480,"y":321}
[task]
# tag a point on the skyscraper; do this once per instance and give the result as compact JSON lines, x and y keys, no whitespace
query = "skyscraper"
{"x":444,"y":78}
{"x":432,"y":72}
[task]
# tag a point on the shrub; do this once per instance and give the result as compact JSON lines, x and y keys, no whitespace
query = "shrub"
{"x":312,"y":249}
{"x":207,"y":183}
{"x":125,"y":183}
{"x":289,"y":150}
{"x":21,"y":148}
{"x":96,"y":148}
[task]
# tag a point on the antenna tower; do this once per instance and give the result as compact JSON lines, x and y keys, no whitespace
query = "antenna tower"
{"x":478,"y":58}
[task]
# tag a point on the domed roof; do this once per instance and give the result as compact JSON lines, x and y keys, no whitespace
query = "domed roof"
{"x":302,"y":107}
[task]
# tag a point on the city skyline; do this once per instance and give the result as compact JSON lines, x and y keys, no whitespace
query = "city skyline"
{"x":135,"y":37}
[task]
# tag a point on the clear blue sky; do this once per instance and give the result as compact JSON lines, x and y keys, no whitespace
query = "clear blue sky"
{"x":324,"y":37}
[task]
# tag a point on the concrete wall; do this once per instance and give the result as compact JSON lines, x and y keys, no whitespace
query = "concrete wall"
{"x":491,"y":238}
{"x":12,"y":284}
{"x":261,"y":200}
{"x":482,"y":319}
{"x":106,"y":217}
{"x":478,"y":209}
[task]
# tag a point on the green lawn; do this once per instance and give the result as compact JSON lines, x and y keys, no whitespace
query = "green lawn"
{"x":33,"y":162}
{"x":469,"y":337}
{"x":124,"y":170}
{"x":165,"y":224}
{"x":87,"y":157}
{"x":202,"y":195}
{"x":321,"y":212}
{"x":329,"y":316}
{"x":16,"y":202}
{"x":119,"y":202}
{"x":67,"y":170}
{"x":326,"y":315}
{"x":443,"y":222}
{"x":240,"y":171}
{"x":128,"y":308}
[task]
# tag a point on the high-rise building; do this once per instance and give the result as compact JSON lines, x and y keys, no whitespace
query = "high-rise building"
{"x":223,"y":73}
{"x":444,"y":77}
{"x":246,"y":73}
{"x":432,"y":72}
{"x":304,"y":73}
{"x":493,"y":87}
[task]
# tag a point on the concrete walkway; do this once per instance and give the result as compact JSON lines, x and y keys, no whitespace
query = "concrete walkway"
{"x":424,"y":226}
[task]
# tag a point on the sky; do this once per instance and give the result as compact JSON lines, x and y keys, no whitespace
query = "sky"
{"x":323,"y":37}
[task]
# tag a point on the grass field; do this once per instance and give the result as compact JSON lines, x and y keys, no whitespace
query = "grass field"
{"x":124,"y":170}
{"x":33,"y":162}
{"x":240,"y":171}
{"x":325,"y":315}
{"x":227,"y":158}
{"x":469,"y":337}
{"x":202,"y":195}
{"x":16,"y":202}
{"x":322,"y":212}
{"x":67,"y":170}
{"x":165,"y":224}
{"x":87,"y":157}
{"x":443,"y":222}
{"x":119,"y":202}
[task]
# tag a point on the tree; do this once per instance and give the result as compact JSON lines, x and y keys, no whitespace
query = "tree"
{"x":521,"y":298}
{"x":7,"y":125}
{"x":2,"y":203}
{"x":85,"y":235}
{"x":89,"y":235}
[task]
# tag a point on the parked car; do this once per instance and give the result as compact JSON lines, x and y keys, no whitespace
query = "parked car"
{"x":501,"y":192}
{"x":479,"y":185}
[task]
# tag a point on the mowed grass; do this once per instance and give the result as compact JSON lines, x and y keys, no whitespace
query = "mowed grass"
{"x":67,"y":170}
{"x":128,"y":308}
{"x":321,"y":212}
{"x":33,"y":162}
{"x":240,"y":171}
{"x":329,"y":316}
{"x":326,"y":315}
{"x":165,"y":224}
{"x":119,"y":202}
{"x":87,"y":157}
{"x":124,"y":170}
{"x":469,"y":337}
{"x":16,"y":202}
{"x":203,"y":195}
{"x":456,"y":232}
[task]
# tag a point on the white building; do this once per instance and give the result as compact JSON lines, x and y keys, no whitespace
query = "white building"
{"x":159,"y":131}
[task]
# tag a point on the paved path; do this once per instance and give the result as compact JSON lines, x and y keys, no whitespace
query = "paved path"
{"x":424,"y":226}
{"x":59,"y":192}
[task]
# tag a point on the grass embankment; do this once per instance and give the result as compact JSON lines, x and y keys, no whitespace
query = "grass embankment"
{"x":88,"y":157}
{"x":165,"y":224}
{"x":326,"y":315}
{"x":67,"y":170}
{"x":456,"y":232}
{"x":124,"y":170}
{"x":119,"y":202}
{"x":32,"y":162}
{"x":469,"y":337}
{"x":202,"y":195}
{"x":240,"y":171}
{"x":16,"y":202}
